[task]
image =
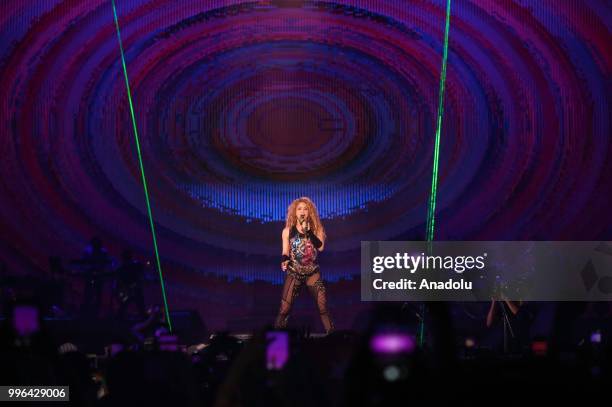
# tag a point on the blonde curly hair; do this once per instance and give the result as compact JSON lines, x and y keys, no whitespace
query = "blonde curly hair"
{"x":313,"y":214}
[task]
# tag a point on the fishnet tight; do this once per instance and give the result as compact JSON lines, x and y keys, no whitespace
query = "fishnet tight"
{"x":291,"y":289}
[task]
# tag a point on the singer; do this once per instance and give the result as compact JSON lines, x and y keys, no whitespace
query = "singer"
{"x":303,"y":237}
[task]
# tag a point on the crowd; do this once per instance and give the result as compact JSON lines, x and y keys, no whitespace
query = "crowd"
{"x":384,"y":365}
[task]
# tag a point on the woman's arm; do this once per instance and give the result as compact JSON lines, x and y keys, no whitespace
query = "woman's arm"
{"x":322,"y":241}
{"x":491,"y":313}
{"x":514,"y":307}
{"x":316,"y":238}
{"x":285,"y":240}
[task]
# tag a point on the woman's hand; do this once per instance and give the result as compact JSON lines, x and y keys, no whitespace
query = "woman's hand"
{"x":305,"y":224}
{"x":284,"y":265}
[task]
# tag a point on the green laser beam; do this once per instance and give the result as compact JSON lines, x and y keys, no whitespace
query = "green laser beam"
{"x":142,"y":172}
{"x":431,"y":211}
{"x":434,"y":179}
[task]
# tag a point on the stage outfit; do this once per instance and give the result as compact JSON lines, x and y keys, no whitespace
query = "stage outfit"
{"x":303,"y":269}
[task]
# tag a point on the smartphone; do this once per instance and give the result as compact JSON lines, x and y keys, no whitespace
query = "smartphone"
{"x":26,"y":320}
{"x":277,"y":349}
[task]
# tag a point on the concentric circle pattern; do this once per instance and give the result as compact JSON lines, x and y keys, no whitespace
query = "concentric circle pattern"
{"x":244,"y":106}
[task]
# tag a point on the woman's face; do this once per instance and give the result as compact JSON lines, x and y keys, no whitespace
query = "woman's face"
{"x":301,"y":211}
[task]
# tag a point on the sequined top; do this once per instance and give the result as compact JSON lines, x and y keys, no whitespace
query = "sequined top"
{"x":303,"y":253}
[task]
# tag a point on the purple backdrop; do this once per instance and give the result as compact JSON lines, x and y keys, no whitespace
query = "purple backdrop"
{"x":244,"y":106}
